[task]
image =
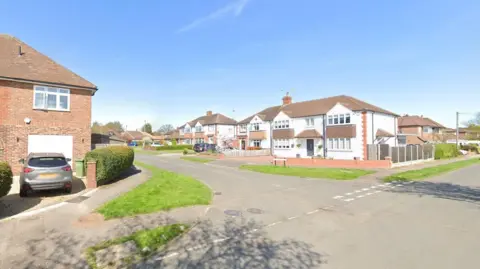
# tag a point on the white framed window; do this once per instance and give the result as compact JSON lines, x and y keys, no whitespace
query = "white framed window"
{"x":339,"y":119}
{"x":282,"y":143}
{"x":339,"y":144}
{"x":282,"y":124}
{"x":199,"y":140}
{"x":198,"y":129}
{"x":243,"y":128}
{"x":257,"y":143}
{"x":211,"y":128}
{"x":187,"y":130}
{"x":310,"y":122}
{"x":181,"y":131}
{"x":51,"y":98}
{"x":427,"y":129}
{"x":255,"y":127}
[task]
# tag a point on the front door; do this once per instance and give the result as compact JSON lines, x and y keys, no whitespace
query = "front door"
{"x":242,"y":144}
{"x":310,"y":149}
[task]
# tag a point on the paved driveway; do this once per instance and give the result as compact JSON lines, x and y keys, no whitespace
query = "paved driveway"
{"x":302,"y":223}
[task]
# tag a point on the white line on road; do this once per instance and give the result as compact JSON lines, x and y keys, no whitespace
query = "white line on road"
{"x":273,"y":224}
{"x":368,"y":193}
{"x":357,"y":191}
{"x":377,"y":191}
{"x":294,"y":217}
{"x":387,"y":184}
{"x":349,"y":199}
{"x":365,"y":189}
{"x":360,"y":196}
{"x":338,"y":197}
{"x":222,"y":239}
{"x":373,"y":187}
{"x":312,"y":212}
{"x":348,"y":193}
{"x":408,"y":182}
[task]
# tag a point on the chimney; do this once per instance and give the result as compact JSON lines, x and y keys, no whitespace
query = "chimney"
{"x":287,"y":99}
{"x":209,"y":113}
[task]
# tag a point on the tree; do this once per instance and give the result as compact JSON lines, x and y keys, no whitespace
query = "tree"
{"x":475,"y":122}
{"x":97,"y":127}
{"x":115,"y":126}
{"x":147,"y":128}
{"x":165,"y":128}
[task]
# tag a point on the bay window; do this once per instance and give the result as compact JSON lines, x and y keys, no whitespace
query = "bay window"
{"x":339,"y":143}
{"x":283,"y":143}
{"x":257,"y":143}
{"x":51,"y":98}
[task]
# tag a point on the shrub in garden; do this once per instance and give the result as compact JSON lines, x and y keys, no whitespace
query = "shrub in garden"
{"x":6,"y":178}
{"x":111,"y":162}
{"x":470,"y":147}
{"x":185,"y":151}
{"x":445,"y":151}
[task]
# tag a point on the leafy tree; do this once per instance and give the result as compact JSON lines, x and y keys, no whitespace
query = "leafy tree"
{"x":115,"y":125}
{"x":147,"y":127}
{"x":97,"y":127}
{"x":165,"y":128}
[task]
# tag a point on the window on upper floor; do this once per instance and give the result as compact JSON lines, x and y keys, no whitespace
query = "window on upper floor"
{"x":51,"y":98}
{"x":198,"y":129}
{"x":281,"y":124}
{"x":187,"y":130}
{"x":242,"y":128}
{"x":427,"y":129}
{"x":339,"y":119}
{"x":255,"y":127}
{"x":310,"y":122}
{"x":211,"y":128}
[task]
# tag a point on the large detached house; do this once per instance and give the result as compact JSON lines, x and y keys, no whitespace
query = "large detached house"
{"x":338,"y":127}
{"x":211,"y":128}
{"x":419,"y":129}
{"x":44,"y":107}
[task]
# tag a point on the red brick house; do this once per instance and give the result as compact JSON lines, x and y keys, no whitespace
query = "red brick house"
{"x":420,"y":129}
{"x":44,"y":106}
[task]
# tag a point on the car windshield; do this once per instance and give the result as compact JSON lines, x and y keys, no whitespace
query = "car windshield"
{"x":47,"y":162}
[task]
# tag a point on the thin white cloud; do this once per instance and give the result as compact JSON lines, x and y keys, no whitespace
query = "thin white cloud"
{"x":235,"y":8}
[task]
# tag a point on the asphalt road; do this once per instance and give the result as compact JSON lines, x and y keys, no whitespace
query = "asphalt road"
{"x":265,"y":221}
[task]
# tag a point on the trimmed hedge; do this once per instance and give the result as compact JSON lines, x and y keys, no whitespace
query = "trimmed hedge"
{"x":6,"y":178}
{"x":111,"y":162}
{"x":175,"y":147}
{"x":445,"y":151}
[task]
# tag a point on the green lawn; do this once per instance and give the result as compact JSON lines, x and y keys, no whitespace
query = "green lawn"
{"x":152,"y":239}
{"x":430,"y":171}
{"x":198,"y":159}
{"x":333,"y":173}
{"x":164,"y":190}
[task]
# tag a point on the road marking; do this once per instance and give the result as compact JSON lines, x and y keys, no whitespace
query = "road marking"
{"x":408,"y":182}
{"x":399,"y":185}
{"x":387,"y":184}
{"x":377,"y":191}
{"x":295,"y":217}
{"x":168,"y":256}
{"x":349,"y":199}
{"x":368,"y":193}
{"x":365,"y":189}
{"x":373,"y":187}
{"x":312,"y":212}
{"x":273,"y":224}
{"x":360,"y":196}
{"x":348,"y":193}
{"x":223,"y":239}
{"x":338,"y":197}
{"x":357,"y":191}
{"x":206,"y":210}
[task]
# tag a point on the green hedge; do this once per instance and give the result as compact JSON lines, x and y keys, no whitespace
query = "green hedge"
{"x":172,"y":147}
{"x":470,"y":147}
{"x":111,"y":162}
{"x":6,"y":178}
{"x":445,"y":151}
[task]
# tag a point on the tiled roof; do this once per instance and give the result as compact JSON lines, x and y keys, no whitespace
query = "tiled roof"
{"x":309,"y":133}
{"x":135,"y":135}
{"x":417,"y":121}
{"x":20,"y":61}
{"x":316,"y":107}
{"x":383,"y":133}
{"x":216,"y":118}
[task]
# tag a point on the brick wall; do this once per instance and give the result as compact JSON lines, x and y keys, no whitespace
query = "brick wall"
{"x":361,"y":164}
{"x":17,"y":104}
{"x":410,"y":130}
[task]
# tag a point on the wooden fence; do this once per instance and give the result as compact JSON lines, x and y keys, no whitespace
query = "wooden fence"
{"x":403,"y":154}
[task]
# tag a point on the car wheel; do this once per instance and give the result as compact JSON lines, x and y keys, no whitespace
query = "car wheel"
{"x":68,"y":190}
{"x":23,"y":193}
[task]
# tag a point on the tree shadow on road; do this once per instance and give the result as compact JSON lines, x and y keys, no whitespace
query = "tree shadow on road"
{"x":442,"y":190}
{"x":236,"y":244}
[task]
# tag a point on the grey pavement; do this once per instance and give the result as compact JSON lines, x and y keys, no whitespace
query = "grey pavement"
{"x":267,"y":221}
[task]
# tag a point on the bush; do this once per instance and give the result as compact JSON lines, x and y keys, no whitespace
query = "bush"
{"x":445,"y":151}
{"x":185,"y":151}
{"x":470,"y":147}
{"x":111,"y":162}
{"x":6,"y":178}
{"x":175,"y":147}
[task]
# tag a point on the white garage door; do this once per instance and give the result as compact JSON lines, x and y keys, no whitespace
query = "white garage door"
{"x":51,"y":144}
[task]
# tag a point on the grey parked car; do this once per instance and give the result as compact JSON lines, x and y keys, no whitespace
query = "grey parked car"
{"x":45,"y":171}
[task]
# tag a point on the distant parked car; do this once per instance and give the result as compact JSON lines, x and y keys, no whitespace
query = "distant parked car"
{"x":45,"y":171}
{"x":132,"y":144}
{"x":156,"y":144}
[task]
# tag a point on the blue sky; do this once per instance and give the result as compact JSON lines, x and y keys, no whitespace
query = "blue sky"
{"x":170,"y":61}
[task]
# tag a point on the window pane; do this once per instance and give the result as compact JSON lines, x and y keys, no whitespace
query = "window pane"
{"x":330,"y":143}
{"x":341,"y":143}
{"x":335,"y":119}
{"x":51,"y":101}
{"x":312,"y":121}
{"x":39,"y":89}
{"x":63,"y":91}
{"x":52,"y":90}
{"x":39,"y":100}
{"x":347,"y":143}
{"x":342,"y":119}
{"x":64,"y":102}
{"x":347,"y":118}
{"x":335,"y":143}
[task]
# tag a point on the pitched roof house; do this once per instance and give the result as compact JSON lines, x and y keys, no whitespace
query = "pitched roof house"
{"x":45,"y":106}
{"x":424,"y":128}
{"x":336,"y":127}
{"x":210,"y":128}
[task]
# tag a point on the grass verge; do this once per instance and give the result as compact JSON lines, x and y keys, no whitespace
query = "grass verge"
{"x":197,"y":159}
{"x":332,"y":173}
{"x":151,"y":239}
{"x":140,"y":150}
{"x":430,"y":171}
{"x":164,"y":190}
